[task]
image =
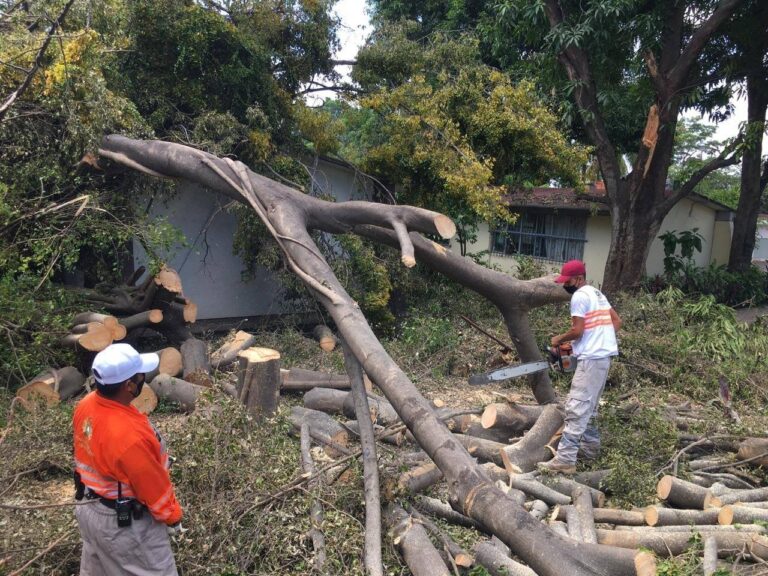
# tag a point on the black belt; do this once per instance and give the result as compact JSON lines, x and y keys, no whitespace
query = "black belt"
{"x":106,"y":501}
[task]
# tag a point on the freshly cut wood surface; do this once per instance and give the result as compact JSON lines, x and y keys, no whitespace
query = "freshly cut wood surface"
{"x":325,"y":337}
{"x":37,"y":392}
{"x":146,"y":402}
{"x":169,"y":279}
{"x":259,"y":381}
{"x":227,"y":353}
{"x":681,"y":493}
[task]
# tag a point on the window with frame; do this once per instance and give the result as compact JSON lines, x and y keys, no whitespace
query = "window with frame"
{"x":557,"y":237}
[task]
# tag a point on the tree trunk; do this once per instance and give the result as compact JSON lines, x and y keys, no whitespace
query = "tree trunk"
{"x":729,"y":514}
{"x":497,"y":564}
{"x":536,"y":489}
{"x":485,"y":450}
{"x":748,"y":210}
{"x":680,"y":493}
{"x":419,"y":478}
{"x":607,"y":516}
{"x":259,"y":381}
{"x":289,"y":215}
{"x":300,"y":380}
{"x":323,"y":428}
{"x":673,"y":543}
{"x":512,"y":418}
{"x":658,"y":516}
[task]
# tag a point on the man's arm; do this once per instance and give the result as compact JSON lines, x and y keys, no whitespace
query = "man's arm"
{"x":577,"y":329}
{"x":616,"y":320}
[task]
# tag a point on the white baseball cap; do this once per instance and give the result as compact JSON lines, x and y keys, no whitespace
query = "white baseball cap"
{"x":119,"y":362}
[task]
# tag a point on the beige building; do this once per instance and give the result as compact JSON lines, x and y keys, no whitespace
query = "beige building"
{"x":557,"y":224}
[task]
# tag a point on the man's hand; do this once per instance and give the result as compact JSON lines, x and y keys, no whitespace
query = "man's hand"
{"x":556,"y":340}
{"x":176,"y":529}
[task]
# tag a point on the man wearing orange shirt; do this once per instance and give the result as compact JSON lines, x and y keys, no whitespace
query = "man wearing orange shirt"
{"x":121,"y":463}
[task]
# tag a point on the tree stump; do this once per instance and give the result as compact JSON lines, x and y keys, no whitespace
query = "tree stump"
{"x":259,"y":381}
{"x":196,"y":366}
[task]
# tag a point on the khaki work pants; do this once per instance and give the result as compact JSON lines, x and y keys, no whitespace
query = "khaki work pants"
{"x":141,"y":549}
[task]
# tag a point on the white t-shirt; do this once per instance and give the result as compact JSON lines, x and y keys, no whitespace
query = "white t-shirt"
{"x":599,"y":337}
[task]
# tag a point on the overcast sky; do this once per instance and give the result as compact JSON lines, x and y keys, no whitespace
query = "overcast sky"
{"x":355,"y":29}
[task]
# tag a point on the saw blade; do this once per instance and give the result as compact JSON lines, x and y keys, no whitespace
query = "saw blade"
{"x":509,"y":372}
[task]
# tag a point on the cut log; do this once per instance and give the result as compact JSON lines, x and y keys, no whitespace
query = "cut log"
{"x":500,"y":435}
{"x":673,"y":543}
{"x":539,"y":509}
{"x":85,"y":318}
{"x":227,"y":353}
{"x":458,"y":556}
{"x":95,"y":339}
{"x":65,"y":383}
{"x":681,"y":493}
{"x":658,"y":516}
{"x":326,"y":400}
{"x":496,"y":473}
{"x":606,"y":516}
{"x":536,"y":489}
{"x":513,"y":418}
{"x":419,"y":478}
{"x":709,"y":562}
{"x":730,"y":514}
{"x":321,"y":426}
{"x":525,"y":454}
{"x":485,"y":450}
{"x":497,"y":564}
{"x":36,"y":393}
{"x":300,"y":380}
{"x":566,"y":485}
{"x":396,"y":439}
{"x":734,"y":496}
{"x":582,"y":509}
{"x":414,"y":544}
{"x":340,"y":402}
{"x":755,"y":450}
{"x":593,"y":478}
{"x":142,"y":319}
{"x":259,"y":381}
{"x":145,"y":402}
{"x":177,"y":390}
{"x":169,"y":280}
{"x":700,"y":528}
{"x":315,"y":508}
{"x":196,"y":366}
{"x":324,"y":337}
{"x":170,"y":363}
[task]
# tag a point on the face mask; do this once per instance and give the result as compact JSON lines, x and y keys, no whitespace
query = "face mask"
{"x":570,"y":289}
{"x":139,"y":386}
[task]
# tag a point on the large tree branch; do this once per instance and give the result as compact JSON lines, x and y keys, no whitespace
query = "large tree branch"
{"x":38,"y":61}
{"x":577,"y":67}
{"x":701,"y":36}
{"x":729,"y":156}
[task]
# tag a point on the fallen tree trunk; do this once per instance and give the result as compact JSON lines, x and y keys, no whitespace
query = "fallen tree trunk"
{"x":289,"y":215}
{"x":525,"y":454}
{"x":342,"y":402}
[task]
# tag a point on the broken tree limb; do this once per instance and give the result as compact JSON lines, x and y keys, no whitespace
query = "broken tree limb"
{"x":754,"y":451}
{"x":414,"y":544}
{"x":372,"y":551}
{"x":342,"y":402}
{"x":539,"y":509}
{"x":396,"y":439}
{"x":196,"y":366}
{"x":290,"y":215}
{"x":681,"y":493}
{"x":258,"y":381}
{"x":497,"y":563}
{"x":325,"y":337}
{"x":523,"y":456}
{"x":227,"y":353}
{"x":315,"y":508}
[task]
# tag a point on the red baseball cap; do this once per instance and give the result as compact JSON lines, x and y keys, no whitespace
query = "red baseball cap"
{"x":570,"y":269}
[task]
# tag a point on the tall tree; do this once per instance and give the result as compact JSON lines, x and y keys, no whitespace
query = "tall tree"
{"x":749,"y":34}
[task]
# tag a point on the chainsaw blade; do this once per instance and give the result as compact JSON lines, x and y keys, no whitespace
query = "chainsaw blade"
{"x":508,"y":372}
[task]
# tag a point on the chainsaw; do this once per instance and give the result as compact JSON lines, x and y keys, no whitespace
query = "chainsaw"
{"x":559,"y":358}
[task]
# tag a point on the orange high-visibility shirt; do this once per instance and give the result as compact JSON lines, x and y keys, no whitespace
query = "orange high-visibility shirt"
{"x":116,"y":443}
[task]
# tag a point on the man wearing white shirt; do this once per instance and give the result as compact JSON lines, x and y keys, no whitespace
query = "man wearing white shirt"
{"x":593,"y":335}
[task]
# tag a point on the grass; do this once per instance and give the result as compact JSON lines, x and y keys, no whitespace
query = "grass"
{"x":226,"y":461}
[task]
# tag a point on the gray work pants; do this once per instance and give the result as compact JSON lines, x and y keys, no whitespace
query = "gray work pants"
{"x":141,"y":549}
{"x":581,"y":410}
